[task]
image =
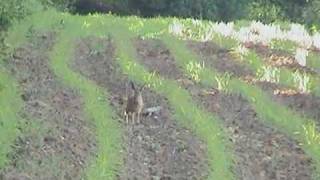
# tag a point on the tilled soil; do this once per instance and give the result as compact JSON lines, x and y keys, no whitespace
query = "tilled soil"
{"x":219,"y":58}
{"x":155,"y":149}
{"x":59,"y":140}
{"x":261,"y":151}
{"x":305,"y":104}
{"x":279,"y":58}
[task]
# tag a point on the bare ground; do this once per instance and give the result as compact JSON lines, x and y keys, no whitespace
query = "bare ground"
{"x":58,"y":140}
{"x":219,"y":58}
{"x":305,"y":104}
{"x":261,"y":151}
{"x":279,"y":58}
{"x":157,"y":148}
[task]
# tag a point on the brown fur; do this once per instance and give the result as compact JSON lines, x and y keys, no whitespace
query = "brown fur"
{"x":134,"y":104}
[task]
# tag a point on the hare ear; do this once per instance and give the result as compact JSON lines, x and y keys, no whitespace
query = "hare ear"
{"x":132,"y":85}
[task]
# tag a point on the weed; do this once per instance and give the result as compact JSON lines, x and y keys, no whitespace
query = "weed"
{"x":195,"y":69}
{"x":312,"y":136}
{"x":302,"y":81}
{"x":269,"y":74}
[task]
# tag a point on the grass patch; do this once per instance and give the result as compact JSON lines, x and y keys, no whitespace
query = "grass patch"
{"x":108,"y":131}
{"x":10,"y":104}
{"x":313,"y":60}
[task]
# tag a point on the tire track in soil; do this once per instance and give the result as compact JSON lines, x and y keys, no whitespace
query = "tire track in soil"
{"x":63,"y":143}
{"x":156,"y":149}
{"x":261,"y":152}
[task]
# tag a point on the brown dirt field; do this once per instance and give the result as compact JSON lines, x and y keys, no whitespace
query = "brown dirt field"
{"x":305,"y":104}
{"x":155,"y":149}
{"x":281,"y":59}
{"x":261,"y":151}
{"x":219,"y":59}
{"x":59,"y":140}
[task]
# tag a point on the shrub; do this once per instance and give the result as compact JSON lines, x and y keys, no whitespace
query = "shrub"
{"x":264,"y":11}
{"x":11,"y":10}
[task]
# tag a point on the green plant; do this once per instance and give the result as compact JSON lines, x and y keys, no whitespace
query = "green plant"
{"x":302,"y":81}
{"x":13,"y":10}
{"x":223,"y":82}
{"x":195,"y":69}
{"x":311,"y":134}
{"x":264,"y":11}
{"x":269,"y":74}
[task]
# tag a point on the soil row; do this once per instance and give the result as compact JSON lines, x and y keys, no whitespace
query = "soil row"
{"x":261,"y":151}
{"x":155,"y":149}
{"x":58,"y":140}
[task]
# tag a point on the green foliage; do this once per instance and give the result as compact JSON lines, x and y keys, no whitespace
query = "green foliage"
{"x":12,"y":10}
{"x":264,"y":11}
{"x":311,"y":13}
{"x":204,"y":124}
{"x":62,"y":5}
{"x":9,"y":119}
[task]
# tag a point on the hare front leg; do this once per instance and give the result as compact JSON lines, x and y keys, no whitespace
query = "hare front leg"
{"x":138,"y":114}
{"x":133,"y":117}
{"x":126,"y":115}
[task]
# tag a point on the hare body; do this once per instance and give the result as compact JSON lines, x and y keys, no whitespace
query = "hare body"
{"x":134,"y":105}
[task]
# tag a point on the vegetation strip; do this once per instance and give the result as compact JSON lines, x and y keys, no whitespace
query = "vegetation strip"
{"x":312,"y":59}
{"x":10,"y":104}
{"x":245,"y":131}
{"x":108,"y":132}
{"x":303,"y":81}
{"x":156,"y":148}
{"x":271,"y":112}
{"x":204,"y":124}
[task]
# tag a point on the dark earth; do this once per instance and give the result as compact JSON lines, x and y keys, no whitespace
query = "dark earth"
{"x":280,"y":57}
{"x":60,"y":139}
{"x":261,"y":151}
{"x":157,"y":148}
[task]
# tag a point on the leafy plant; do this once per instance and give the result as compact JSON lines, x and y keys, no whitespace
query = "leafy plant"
{"x":223,"y":81}
{"x":302,"y":81}
{"x":269,"y":74}
{"x":195,"y":68}
{"x":311,"y":134}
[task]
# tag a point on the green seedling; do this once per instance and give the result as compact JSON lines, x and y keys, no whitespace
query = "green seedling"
{"x":195,"y":69}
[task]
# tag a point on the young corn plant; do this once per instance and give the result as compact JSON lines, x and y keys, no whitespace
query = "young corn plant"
{"x":195,"y":69}
{"x":302,"y":82}
{"x":240,"y":51}
{"x":269,"y":74}
{"x":311,"y":134}
{"x":153,"y":80}
{"x":223,"y":81}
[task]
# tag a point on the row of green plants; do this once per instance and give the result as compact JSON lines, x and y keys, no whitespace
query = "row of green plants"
{"x":68,"y":28}
{"x":204,"y":124}
{"x":301,"y":129}
{"x":270,"y":112}
{"x":10,"y":103}
{"x":107,"y":127}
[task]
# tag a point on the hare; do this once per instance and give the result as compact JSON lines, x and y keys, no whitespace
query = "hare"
{"x":134,"y":104}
